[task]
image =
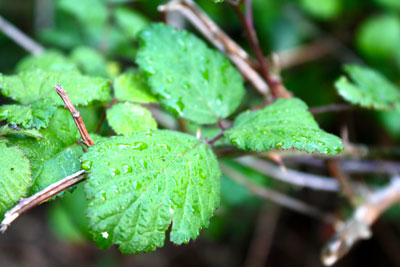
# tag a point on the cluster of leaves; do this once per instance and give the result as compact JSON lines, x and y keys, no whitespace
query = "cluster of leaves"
{"x":144,"y":179}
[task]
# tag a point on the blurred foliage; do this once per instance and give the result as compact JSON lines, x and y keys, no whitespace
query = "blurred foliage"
{"x":100,"y":38}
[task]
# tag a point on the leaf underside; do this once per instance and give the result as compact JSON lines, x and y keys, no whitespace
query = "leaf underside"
{"x":139,"y":185}
{"x":286,"y":124}
{"x":368,"y":89}
{"x":190,"y":79}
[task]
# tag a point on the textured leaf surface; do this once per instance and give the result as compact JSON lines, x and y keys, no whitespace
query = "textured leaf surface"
{"x":127,"y":118}
{"x":7,"y":130}
{"x":30,"y":86}
{"x":368,"y":88}
{"x":48,"y":154}
{"x":16,"y":176}
{"x":285,"y":124}
{"x":190,"y":79}
{"x":48,"y":60}
{"x":59,"y":166}
{"x":138,"y":185}
{"x":36,"y":115}
{"x":132,"y":86}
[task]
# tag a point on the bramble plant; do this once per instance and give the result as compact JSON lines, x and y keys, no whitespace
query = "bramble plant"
{"x":145,"y":140}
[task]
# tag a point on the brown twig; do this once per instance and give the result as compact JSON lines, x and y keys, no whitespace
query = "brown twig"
{"x":277,"y":197}
{"x":19,"y":37}
{"x":25,"y":204}
{"x":331,"y":108}
{"x":274,"y":82}
{"x":212,"y":141}
{"x":263,"y":235}
{"x":87,"y":140}
{"x":358,"y":226}
{"x":335,"y":171}
{"x":220,"y":40}
{"x":302,"y":179}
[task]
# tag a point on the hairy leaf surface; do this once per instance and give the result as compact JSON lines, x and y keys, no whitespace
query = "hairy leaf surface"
{"x":286,"y":124}
{"x":127,"y":118}
{"x":30,"y":86}
{"x":16,"y":176}
{"x":192,"y":80}
{"x":139,"y":185}
{"x":368,"y":89}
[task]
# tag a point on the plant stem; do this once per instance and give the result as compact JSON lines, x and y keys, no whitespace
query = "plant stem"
{"x":312,"y":181}
{"x":274,"y":82}
{"x":25,"y":204}
{"x":212,"y":141}
{"x":331,"y":108}
{"x":19,"y":37}
{"x":277,"y":197}
{"x":358,"y":226}
{"x":87,"y":140}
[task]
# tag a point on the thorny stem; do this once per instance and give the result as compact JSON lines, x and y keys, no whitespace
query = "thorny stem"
{"x":87,"y":140}
{"x":25,"y":204}
{"x":19,"y":37}
{"x":273,"y":81}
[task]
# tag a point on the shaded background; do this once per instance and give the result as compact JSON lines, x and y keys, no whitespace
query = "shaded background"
{"x":245,"y":231}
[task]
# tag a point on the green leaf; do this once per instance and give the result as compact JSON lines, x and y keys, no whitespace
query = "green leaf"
{"x":130,"y":21}
{"x":48,"y":60}
{"x":377,"y":43}
{"x":7,"y":130}
{"x":53,"y":157}
{"x":36,"y":115}
{"x":90,"y":61}
{"x":139,"y":185}
{"x":67,"y":218}
{"x":323,"y":9}
{"x":30,"y":86}
{"x":16,"y":114}
{"x":285,"y":124}
{"x":368,"y":89}
{"x":127,"y":118}
{"x":190,"y":79}
{"x":58,"y":166}
{"x":16,"y":176}
{"x":132,"y":86}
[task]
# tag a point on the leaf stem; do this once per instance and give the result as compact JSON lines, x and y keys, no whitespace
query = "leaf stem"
{"x":87,"y":140}
{"x":212,"y":141}
{"x":25,"y":204}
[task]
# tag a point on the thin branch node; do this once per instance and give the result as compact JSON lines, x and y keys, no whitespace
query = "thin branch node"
{"x":87,"y":140}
